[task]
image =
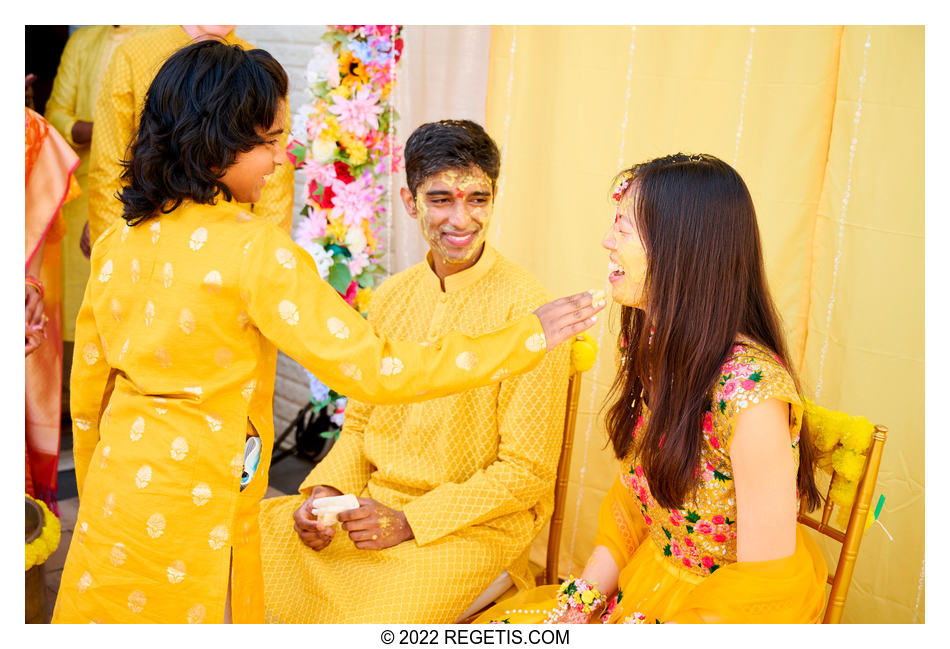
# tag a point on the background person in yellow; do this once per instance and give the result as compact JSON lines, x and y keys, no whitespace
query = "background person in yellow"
{"x":454,"y":489}
{"x":71,"y":109}
{"x":119,"y":107}
{"x":176,"y":346}
{"x":700,"y":525}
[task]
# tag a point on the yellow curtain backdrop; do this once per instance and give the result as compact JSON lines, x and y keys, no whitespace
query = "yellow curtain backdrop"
{"x":826,"y":126}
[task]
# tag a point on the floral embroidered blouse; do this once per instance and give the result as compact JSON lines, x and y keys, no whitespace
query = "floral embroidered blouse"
{"x":701,"y":535}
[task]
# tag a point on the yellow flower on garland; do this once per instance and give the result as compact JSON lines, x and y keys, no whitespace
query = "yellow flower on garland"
{"x":337,"y":229}
{"x":39,"y":549}
{"x":355,"y":148}
{"x":351,"y":69}
{"x":343,"y":90}
{"x":371,"y":239}
{"x":363,"y":297}
{"x":332,"y":127}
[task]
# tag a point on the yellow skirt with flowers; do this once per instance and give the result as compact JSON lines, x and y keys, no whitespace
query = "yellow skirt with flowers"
{"x":653,"y":589}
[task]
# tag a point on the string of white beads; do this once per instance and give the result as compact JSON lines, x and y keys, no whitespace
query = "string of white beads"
{"x":603,"y":327}
{"x":745,"y":86}
{"x":844,"y":211}
{"x":504,"y":148}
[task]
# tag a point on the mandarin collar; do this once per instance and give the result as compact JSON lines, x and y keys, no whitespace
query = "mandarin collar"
{"x":464,"y":278}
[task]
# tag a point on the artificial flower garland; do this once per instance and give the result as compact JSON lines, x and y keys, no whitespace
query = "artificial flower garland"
{"x":340,"y":140}
{"x":842,"y":442}
{"x":39,"y":549}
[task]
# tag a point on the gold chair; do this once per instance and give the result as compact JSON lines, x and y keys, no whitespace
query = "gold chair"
{"x":850,"y":538}
{"x":498,"y":589}
{"x":560,"y":484}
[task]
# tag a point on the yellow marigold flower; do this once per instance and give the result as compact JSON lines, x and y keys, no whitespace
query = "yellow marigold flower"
{"x":333,"y":127}
{"x":587,"y":597}
{"x":363,"y":297}
{"x":857,"y":435}
{"x":848,"y":463}
{"x":842,"y":491}
{"x":583,"y":352}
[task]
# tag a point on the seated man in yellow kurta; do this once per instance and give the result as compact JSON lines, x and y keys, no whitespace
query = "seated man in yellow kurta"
{"x":453,"y":490}
{"x":119,"y":105}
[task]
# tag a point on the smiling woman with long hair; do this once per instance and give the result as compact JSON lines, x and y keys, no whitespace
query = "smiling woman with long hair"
{"x":705,"y":417}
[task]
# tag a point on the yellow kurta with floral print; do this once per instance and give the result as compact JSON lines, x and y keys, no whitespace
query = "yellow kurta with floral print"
{"x":176,"y":346}
{"x":473,"y":472}
{"x":680,"y":564}
{"x":118,"y":107}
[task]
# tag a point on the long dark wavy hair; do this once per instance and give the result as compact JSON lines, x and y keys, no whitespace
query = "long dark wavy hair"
{"x":705,"y":287}
{"x":205,"y":105}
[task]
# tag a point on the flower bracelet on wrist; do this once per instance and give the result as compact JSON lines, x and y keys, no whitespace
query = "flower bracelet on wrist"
{"x":577,"y":594}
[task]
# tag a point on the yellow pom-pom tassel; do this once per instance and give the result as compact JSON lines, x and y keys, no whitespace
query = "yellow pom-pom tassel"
{"x":824,"y":426}
{"x":842,"y":491}
{"x":583,"y":352}
{"x":857,"y":435}
{"x":848,"y":463}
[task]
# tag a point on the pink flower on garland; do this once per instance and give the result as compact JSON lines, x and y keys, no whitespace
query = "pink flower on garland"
{"x":324,"y":174}
{"x":312,"y":227}
{"x":359,"y":112}
{"x":707,"y":423}
{"x":353,"y":201}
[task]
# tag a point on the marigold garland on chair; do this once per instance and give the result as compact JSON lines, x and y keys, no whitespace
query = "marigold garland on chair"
{"x":39,"y":549}
{"x":842,"y":442}
{"x":341,"y":140}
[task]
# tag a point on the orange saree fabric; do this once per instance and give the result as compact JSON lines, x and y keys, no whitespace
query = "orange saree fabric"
{"x":49,"y":164}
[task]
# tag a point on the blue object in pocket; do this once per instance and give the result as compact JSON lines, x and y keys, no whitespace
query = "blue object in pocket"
{"x":252,"y":457}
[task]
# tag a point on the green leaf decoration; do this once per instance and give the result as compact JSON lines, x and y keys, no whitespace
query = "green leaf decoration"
{"x":756,"y":376}
{"x":729,"y":521}
{"x":692,"y":516}
{"x":366,"y":280}
{"x":721,"y":476}
{"x":619,"y":595}
{"x":330,"y":434}
{"x":667,"y":552}
{"x":713,"y":568}
{"x":571,"y":588}
{"x":722,"y":406}
{"x":689,"y":529}
{"x":339,"y":278}
{"x":667,"y":532}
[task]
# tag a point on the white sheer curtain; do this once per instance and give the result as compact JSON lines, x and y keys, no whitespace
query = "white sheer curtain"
{"x":443,"y":74}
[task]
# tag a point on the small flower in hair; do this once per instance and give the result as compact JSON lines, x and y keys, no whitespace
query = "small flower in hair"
{"x":622,"y":187}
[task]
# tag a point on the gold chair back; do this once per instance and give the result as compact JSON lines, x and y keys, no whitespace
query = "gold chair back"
{"x":850,"y":538}
{"x":560,"y":485}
